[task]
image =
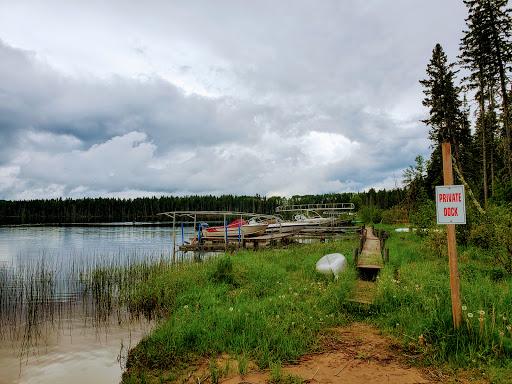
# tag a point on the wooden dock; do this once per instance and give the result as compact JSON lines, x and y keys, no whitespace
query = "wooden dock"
{"x":369,"y":260}
{"x":370,"y":256}
{"x":267,"y":240}
{"x":233,"y":243}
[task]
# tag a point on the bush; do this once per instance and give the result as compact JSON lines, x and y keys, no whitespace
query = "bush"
{"x":493,"y":232}
{"x":436,"y":242}
{"x":371,"y":214}
{"x":395,"y":215}
{"x":223,"y":271}
{"x":423,"y":216}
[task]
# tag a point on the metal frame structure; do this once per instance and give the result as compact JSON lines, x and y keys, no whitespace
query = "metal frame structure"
{"x":333,"y":207}
{"x":194,"y":216}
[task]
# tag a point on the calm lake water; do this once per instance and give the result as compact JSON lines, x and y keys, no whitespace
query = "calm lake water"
{"x":50,"y":329}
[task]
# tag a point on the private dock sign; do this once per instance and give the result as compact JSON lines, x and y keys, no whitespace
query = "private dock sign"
{"x":450,"y":204}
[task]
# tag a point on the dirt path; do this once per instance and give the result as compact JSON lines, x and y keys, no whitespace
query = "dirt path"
{"x":356,"y":354}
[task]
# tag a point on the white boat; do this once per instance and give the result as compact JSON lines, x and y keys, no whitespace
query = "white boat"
{"x":333,"y":263}
{"x":236,"y":228}
{"x":314,"y":221}
{"x":286,"y":226}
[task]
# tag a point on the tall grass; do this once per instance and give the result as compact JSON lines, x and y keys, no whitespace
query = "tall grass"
{"x":267,"y":306}
{"x":39,"y":295}
{"x":413,"y":302}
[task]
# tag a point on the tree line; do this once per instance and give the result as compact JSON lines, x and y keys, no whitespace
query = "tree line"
{"x":95,"y":210}
{"x":474,"y":115}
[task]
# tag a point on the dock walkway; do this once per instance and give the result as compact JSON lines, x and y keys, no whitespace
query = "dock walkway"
{"x":369,"y":262}
{"x":370,"y":256}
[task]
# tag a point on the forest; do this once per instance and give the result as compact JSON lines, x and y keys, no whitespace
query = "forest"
{"x":95,"y":210}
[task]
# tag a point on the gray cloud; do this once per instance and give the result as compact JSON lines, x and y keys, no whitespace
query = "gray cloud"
{"x":288,"y":97}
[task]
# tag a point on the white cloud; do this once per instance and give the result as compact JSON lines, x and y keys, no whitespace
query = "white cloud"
{"x":194,"y":97}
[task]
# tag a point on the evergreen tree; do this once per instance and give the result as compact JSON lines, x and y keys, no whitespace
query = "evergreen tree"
{"x":442,"y":99}
{"x":446,"y":120}
{"x":486,"y":52}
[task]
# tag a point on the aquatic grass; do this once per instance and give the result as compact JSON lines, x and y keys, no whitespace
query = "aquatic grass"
{"x":39,"y":295}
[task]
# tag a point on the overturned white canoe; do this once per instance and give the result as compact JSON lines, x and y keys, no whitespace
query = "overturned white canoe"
{"x":333,"y":263}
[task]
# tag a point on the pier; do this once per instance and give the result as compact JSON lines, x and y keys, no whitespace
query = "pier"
{"x":330,"y":228}
{"x":369,"y":259}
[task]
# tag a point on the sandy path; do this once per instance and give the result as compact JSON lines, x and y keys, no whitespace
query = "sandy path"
{"x":356,"y":354}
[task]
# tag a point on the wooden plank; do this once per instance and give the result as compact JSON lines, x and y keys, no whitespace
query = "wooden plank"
{"x":370,"y":256}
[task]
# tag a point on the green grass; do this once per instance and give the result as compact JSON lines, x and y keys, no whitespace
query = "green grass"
{"x":266,"y":306}
{"x":270,"y":306}
{"x":413,"y":303}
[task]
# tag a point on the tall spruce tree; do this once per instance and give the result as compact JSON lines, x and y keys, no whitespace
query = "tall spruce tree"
{"x":446,"y":121}
{"x":486,"y":52}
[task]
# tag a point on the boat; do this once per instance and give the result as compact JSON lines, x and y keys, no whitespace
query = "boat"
{"x":286,"y":226}
{"x":314,"y":221}
{"x":332,"y":264}
{"x":238,"y":227}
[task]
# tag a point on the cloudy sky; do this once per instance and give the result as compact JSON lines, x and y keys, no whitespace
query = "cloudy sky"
{"x":131,"y":98}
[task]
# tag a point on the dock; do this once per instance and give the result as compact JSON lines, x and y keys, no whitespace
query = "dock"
{"x":266,"y":240}
{"x":369,"y":259}
{"x":327,"y":228}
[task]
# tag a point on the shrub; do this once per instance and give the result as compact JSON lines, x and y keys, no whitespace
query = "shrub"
{"x":493,"y":232}
{"x":423,"y":216}
{"x":436,"y":242}
{"x":371,"y":214}
{"x":395,"y":215}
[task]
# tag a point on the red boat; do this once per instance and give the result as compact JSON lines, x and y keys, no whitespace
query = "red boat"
{"x":234,"y":229}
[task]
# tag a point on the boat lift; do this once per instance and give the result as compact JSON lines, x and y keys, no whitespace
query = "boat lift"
{"x":328,"y":208}
{"x":193,"y":217}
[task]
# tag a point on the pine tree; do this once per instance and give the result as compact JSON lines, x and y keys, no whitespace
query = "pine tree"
{"x":442,"y":98}
{"x":486,"y":52}
{"x":446,"y":120}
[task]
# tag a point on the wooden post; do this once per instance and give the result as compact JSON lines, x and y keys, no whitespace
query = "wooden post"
{"x":225,"y":234}
{"x":452,"y":242}
{"x":194,"y":231}
{"x":174,"y":238}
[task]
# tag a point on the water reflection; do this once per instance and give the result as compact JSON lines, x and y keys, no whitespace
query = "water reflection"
{"x":63,"y":299}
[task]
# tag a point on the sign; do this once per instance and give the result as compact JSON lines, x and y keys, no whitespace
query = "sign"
{"x":450,"y":204}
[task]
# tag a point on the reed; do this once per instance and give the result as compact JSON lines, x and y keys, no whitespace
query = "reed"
{"x":41,"y":294}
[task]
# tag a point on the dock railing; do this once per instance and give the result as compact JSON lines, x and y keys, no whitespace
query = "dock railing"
{"x":327,"y":207}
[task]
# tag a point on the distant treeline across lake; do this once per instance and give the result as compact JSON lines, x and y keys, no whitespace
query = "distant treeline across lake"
{"x":101,"y":210}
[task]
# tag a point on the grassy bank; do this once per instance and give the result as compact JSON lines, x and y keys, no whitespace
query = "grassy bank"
{"x":413,"y":303}
{"x":268,"y":307}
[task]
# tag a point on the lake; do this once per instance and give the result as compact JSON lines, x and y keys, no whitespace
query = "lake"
{"x":53,"y":329}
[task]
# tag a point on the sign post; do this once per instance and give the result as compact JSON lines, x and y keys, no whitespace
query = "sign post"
{"x":450,"y":207}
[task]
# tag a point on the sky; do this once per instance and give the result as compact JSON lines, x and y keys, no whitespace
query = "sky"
{"x":149,"y":98}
